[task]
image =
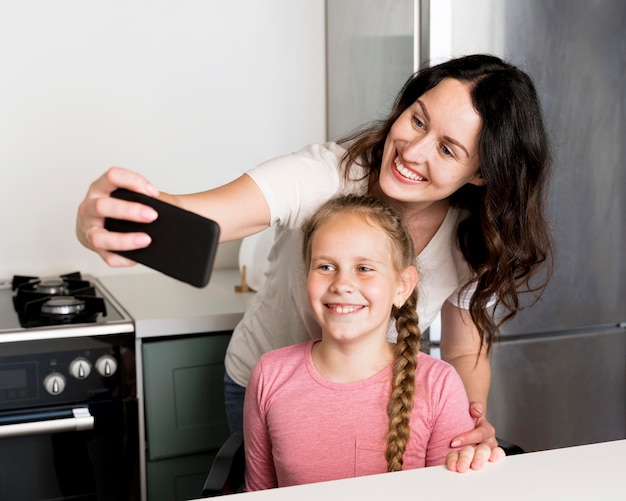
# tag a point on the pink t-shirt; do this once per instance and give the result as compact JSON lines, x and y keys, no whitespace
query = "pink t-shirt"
{"x":300,"y":428}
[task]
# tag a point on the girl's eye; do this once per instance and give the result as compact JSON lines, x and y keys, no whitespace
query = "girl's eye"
{"x":363,"y":269}
{"x":325,"y":267}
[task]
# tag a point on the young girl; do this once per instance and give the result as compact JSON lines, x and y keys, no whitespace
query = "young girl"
{"x":352,"y":403}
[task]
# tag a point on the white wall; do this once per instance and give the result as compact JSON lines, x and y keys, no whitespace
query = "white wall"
{"x":459,"y":27}
{"x":188,"y":92}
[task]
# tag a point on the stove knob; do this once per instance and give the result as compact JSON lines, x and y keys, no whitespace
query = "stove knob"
{"x":106,"y":365}
{"x":54,"y":383}
{"x":80,"y":368}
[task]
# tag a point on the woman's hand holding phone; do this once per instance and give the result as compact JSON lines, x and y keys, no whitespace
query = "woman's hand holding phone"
{"x":98,"y":205}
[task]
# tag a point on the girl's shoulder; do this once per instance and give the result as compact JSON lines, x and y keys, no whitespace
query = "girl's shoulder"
{"x":432,"y":368}
{"x":282,"y":366}
{"x":286,"y":353}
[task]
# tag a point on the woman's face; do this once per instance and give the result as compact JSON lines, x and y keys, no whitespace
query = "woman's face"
{"x":432,"y":148}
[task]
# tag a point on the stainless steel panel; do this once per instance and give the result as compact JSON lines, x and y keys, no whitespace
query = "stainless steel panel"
{"x":370,"y":52}
{"x":560,"y":390}
{"x":574,"y":50}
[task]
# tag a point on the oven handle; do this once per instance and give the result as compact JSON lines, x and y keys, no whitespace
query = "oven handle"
{"x":46,"y":422}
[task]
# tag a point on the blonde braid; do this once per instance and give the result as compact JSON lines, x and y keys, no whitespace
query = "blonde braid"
{"x":403,"y":382}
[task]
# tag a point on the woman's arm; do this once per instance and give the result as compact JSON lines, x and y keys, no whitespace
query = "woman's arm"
{"x":461,"y":347}
{"x":238,"y":207}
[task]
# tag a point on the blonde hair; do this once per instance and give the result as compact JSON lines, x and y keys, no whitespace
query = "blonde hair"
{"x":407,"y":345}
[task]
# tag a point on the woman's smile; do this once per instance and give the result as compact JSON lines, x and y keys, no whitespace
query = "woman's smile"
{"x":406,"y":173}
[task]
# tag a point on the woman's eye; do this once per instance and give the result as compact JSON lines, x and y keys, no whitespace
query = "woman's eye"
{"x":446,"y":151}
{"x":364,"y":269}
{"x":418,"y":123}
{"x":325,"y":267}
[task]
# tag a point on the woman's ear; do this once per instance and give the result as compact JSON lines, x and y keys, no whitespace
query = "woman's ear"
{"x":477,"y":180}
{"x":406,"y":285}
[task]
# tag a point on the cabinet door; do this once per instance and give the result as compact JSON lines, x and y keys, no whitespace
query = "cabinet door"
{"x":178,"y":479}
{"x":184,"y":395}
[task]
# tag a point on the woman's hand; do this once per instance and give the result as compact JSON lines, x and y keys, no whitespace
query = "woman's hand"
{"x":473,"y":457}
{"x":98,"y":205}
{"x":483,"y":432}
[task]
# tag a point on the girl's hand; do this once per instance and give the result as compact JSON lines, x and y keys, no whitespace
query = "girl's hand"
{"x":473,"y":457}
{"x":98,"y":204}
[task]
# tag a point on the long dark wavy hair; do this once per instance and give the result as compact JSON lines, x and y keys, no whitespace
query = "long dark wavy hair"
{"x":506,"y":238}
{"x":379,"y":215}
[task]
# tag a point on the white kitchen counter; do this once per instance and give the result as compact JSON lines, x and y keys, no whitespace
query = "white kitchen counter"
{"x":589,"y":473}
{"x":162,"y":306}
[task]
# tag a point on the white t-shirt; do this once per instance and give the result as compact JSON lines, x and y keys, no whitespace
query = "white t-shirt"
{"x":295,"y":186}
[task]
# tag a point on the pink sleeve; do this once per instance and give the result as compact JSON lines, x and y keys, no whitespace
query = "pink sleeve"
{"x":451,"y":418}
{"x":260,"y":473}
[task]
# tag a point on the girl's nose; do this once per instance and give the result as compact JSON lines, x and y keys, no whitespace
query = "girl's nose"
{"x":342,"y":283}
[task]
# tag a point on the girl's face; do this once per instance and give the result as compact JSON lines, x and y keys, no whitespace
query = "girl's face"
{"x":352,"y":282}
{"x":432,"y":148}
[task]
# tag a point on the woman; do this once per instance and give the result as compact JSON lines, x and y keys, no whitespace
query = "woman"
{"x":463,"y":157}
{"x":353,"y":404}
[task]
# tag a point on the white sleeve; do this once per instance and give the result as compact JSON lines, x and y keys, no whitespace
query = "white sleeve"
{"x":461,"y":298}
{"x":296,"y":185}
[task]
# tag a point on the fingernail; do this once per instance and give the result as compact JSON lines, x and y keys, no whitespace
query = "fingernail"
{"x":151,"y":190}
{"x":143,"y":240}
{"x":455,"y":443}
{"x":149,"y":214}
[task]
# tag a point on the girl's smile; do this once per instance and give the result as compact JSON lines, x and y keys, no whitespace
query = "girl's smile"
{"x":341,"y":309}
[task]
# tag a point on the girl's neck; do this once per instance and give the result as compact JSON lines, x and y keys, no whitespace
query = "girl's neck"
{"x":349,"y":363}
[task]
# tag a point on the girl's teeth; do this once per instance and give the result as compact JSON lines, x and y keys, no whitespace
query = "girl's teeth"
{"x":344,"y":309}
{"x":406,"y":172}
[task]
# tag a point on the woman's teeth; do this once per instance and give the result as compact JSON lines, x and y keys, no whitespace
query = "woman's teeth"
{"x":409,"y":174}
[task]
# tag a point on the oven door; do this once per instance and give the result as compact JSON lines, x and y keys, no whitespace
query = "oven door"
{"x":85,"y":452}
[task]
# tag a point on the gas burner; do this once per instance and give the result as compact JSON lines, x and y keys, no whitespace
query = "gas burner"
{"x":52,"y":287}
{"x":65,"y":300}
{"x":64,"y":285}
{"x":63,"y":305}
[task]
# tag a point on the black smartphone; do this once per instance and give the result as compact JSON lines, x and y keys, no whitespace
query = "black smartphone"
{"x":183,"y":245}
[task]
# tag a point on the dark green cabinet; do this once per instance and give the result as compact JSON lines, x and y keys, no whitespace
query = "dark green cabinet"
{"x":184,"y":412}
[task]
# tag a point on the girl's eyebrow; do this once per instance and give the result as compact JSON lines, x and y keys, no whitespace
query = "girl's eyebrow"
{"x":447,"y":138}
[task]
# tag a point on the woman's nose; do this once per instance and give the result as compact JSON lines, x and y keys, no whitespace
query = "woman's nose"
{"x":417,"y":149}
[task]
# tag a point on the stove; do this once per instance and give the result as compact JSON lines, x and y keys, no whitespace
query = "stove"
{"x":68,"y":404}
{"x":69,"y":305}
